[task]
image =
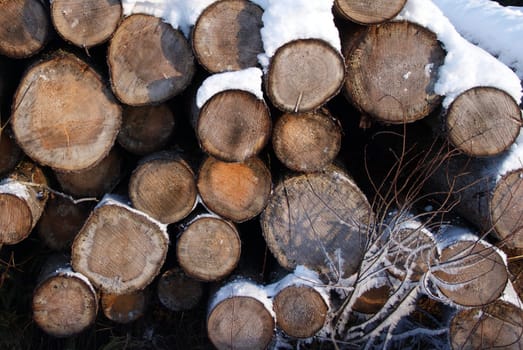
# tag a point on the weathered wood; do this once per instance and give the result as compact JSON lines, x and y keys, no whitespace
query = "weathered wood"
{"x":233,"y":125}
{"x":123,"y":308}
{"x":300,"y":311}
{"x":304,"y":74}
{"x":119,"y":249}
{"x":318,"y":220}
{"x":95,"y":181}
{"x":61,"y":220}
{"x":236,"y":191}
{"x":164,"y":187}
{"x":368,"y":12}
{"x":86,"y":23}
{"x":178,"y":292}
{"x":498,"y":325}
{"x":64,"y":303}
{"x":24,"y":27}
{"x":64,"y":116}
{"x":10,"y":153}
{"x":22,"y":200}
{"x":483,"y":121}
{"x":391,"y":71}
{"x":226,"y":36}
{"x":209,"y":248}
{"x":149,"y":61}
{"x":146,"y":129}
{"x":306,"y":142}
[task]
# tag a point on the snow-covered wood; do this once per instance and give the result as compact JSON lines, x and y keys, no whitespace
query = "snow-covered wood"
{"x":366,"y":12}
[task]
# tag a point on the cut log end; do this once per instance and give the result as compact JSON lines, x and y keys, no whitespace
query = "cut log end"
{"x":392,"y":70}
{"x":120,"y":250}
{"x":209,"y":249}
{"x":304,"y":74}
{"x":227,"y":37}
{"x":177,"y":291}
{"x":300,"y":311}
{"x":149,"y":61}
{"x":373,"y":300}
{"x":236,"y":191}
{"x":64,"y":305}
{"x":240,"y":323}
{"x":483,"y":121}
{"x":123,"y":308}
{"x":306,"y":142}
{"x":368,"y":12}
{"x":16,"y":218}
{"x":233,"y":125}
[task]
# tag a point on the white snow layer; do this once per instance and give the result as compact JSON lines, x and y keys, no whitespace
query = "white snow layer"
{"x":466,"y":65}
{"x":495,"y":28}
{"x":249,"y":80}
{"x":242,"y":288}
{"x":15,"y":188}
{"x":288,"y":20}
{"x":512,"y":160}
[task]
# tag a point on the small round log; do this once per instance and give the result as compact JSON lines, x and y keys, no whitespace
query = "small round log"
{"x":64,"y":116}
{"x":146,"y":129}
{"x":306,"y":142}
{"x":368,"y":12}
{"x":24,"y":27}
{"x":164,"y":187}
{"x":391,"y":71}
{"x":226,"y":36}
{"x":304,"y":74}
{"x":149,"y":61}
{"x":119,"y":249}
{"x":372,"y":300}
{"x":86,"y":23}
{"x":123,"y":308}
{"x":209,"y":248}
{"x":300,"y":311}
{"x":177,"y":291}
{"x":235,"y":191}
{"x":233,"y":125}
{"x":483,"y":121}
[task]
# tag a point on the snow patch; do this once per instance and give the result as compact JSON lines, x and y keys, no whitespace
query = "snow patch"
{"x":15,"y":188}
{"x":242,"y":288}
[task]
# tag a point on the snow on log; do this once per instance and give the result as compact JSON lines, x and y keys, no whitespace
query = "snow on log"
{"x":149,"y":61}
{"x":86,"y":23}
{"x":24,"y":27}
{"x":119,"y":249}
{"x":365,"y":12}
{"x":123,"y":308}
{"x":177,"y":291}
{"x":235,"y":191}
{"x":22,"y":200}
{"x":64,"y":115}
{"x":307,"y":142}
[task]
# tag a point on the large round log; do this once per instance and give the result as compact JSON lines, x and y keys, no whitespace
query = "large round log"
{"x":64,"y":116}
{"x":86,"y":23}
{"x":319,"y":220}
{"x":368,"y":12}
{"x":226,"y":36}
{"x":119,"y":249}
{"x":149,"y":61}
{"x":391,"y":71}
{"x":236,"y":191}
{"x":24,"y":27}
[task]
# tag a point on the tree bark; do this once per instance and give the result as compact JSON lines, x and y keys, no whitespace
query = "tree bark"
{"x":22,"y":200}
{"x":306,"y":142}
{"x":226,"y":36}
{"x":123,"y":308}
{"x":319,"y":220}
{"x":233,"y":125}
{"x":24,"y":27}
{"x":304,"y":74}
{"x":146,"y":129}
{"x":95,"y":181}
{"x":86,"y":23}
{"x":64,"y":116}
{"x":483,"y":121}
{"x":177,"y":291}
{"x":119,"y":249}
{"x":392,"y":70}
{"x":208,"y":249}
{"x":164,"y":187}
{"x":149,"y":61}
{"x":236,"y":191}
{"x":368,"y":12}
